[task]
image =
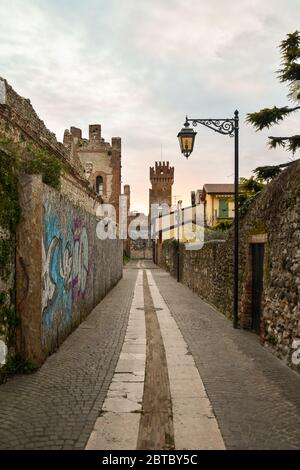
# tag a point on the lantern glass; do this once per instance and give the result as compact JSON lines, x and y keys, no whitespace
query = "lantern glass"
{"x":186,"y":139}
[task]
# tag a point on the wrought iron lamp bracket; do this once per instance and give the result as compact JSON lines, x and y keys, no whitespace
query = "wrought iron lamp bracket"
{"x":222,"y":126}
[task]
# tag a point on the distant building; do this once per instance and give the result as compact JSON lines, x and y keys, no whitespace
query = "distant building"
{"x":140,"y":246}
{"x":162,"y":179}
{"x":218,"y":200}
{"x":101,"y":161}
{"x":196,"y":197}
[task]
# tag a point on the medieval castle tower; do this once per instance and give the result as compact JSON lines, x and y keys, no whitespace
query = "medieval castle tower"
{"x":162,"y":179}
{"x":101,"y":161}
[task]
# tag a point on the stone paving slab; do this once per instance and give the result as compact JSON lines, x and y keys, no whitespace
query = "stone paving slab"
{"x":56,"y":407}
{"x":255,"y":397}
{"x":123,"y":404}
{"x":195,"y":426}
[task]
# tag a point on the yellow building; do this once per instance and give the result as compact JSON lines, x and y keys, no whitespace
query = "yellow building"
{"x":218,"y":200}
{"x":167,"y":225}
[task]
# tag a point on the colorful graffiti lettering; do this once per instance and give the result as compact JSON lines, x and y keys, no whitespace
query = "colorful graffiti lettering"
{"x":80,"y":260}
{"x":65,"y":270}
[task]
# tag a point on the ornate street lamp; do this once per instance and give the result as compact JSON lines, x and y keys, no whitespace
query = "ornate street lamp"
{"x":226,"y":127}
{"x":186,"y":139}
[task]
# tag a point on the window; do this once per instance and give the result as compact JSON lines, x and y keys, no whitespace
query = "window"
{"x":223,"y":209}
{"x":99,"y":185}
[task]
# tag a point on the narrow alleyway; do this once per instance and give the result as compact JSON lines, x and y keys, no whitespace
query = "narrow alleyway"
{"x":154,"y":367}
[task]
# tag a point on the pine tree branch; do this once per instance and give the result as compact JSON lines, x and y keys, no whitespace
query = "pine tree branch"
{"x":286,"y":138}
{"x":267,"y":117}
{"x":267,"y":173}
{"x":291,"y":143}
{"x":290,"y":72}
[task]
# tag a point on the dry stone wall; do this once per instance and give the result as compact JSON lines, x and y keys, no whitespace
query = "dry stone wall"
{"x":274,"y":221}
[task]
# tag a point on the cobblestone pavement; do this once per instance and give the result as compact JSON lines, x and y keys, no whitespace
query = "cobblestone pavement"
{"x":156,"y":393}
{"x":56,"y":407}
{"x":255,"y":397}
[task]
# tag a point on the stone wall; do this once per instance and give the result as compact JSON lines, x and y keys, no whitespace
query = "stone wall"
{"x":20,"y":123}
{"x":98,"y":159}
{"x":63,"y":269}
{"x":208,"y":272}
{"x":140,"y":249}
{"x":274,"y":221}
{"x":75,"y":192}
{"x":22,"y":136}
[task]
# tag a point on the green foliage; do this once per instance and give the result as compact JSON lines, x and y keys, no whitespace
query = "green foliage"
{"x":15,"y":159}
{"x":290,"y":74}
{"x":19,"y":158}
{"x":267,"y":173}
{"x":38,"y":161}
{"x":267,"y":117}
{"x":126,"y":259}
{"x":16,"y":365}
{"x":290,"y":47}
{"x":250,"y":185}
{"x":214,"y":234}
{"x":249,"y":188}
{"x":5,"y":256}
{"x":290,"y":71}
{"x":245,"y":202}
{"x":291,"y":143}
{"x":8,"y":316}
{"x":223,"y":225}
{"x":9,"y":199}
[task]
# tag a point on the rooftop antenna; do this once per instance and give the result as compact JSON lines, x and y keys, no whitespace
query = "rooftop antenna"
{"x":161,"y":153}
{"x":176,"y":198}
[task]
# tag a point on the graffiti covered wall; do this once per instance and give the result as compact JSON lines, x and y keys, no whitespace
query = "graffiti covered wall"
{"x":67,"y":263}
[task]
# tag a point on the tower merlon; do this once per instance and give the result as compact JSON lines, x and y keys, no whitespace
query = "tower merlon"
{"x":161,"y":171}
{"x":127,"y":189}
{"x":76,"y":132}
{"x":95,"y":132}
{"x":116,"y":142}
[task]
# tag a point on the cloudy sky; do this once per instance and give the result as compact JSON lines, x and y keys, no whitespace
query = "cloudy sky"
{"x":139,"y":66}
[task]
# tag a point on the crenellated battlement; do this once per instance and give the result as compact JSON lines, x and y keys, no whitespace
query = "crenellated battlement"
{"x":95,"y":142}
{"x":162,"y":179}
{"x":162,"y":172}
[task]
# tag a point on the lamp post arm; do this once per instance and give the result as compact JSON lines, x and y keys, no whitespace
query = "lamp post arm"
{"x":222,"y":126}
{"x":229,"y":127}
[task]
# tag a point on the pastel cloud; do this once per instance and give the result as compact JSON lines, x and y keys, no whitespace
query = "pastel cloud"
{"x":139,"y":67}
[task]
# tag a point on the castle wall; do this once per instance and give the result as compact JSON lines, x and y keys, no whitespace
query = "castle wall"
{"x":162,"y":179}
{"x":98,"y":158}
